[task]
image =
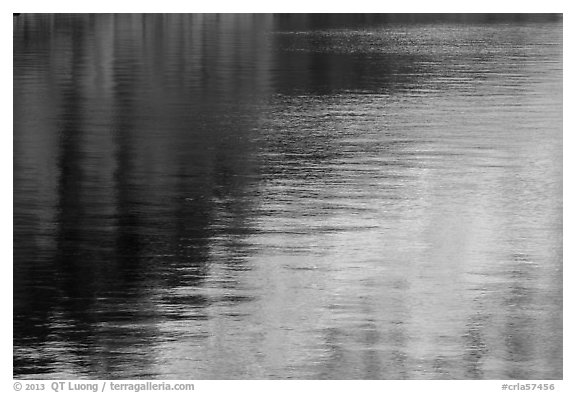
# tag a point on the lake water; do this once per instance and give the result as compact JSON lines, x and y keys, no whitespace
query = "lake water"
{"x":287,"y":196}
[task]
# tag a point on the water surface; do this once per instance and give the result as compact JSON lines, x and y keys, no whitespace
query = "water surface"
{"x":273,"y":197}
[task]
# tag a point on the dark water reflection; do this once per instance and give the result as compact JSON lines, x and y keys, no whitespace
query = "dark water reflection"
{"x":256,"y":196}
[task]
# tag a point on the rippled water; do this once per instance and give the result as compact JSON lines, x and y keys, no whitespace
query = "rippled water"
{"x":308,"y":197}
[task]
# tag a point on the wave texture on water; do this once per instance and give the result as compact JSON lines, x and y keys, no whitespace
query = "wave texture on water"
{"x":274,"y":197}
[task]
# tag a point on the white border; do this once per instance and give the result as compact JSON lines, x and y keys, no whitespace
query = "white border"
{"x":291,"y":6}
{"x":296,"y":6}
